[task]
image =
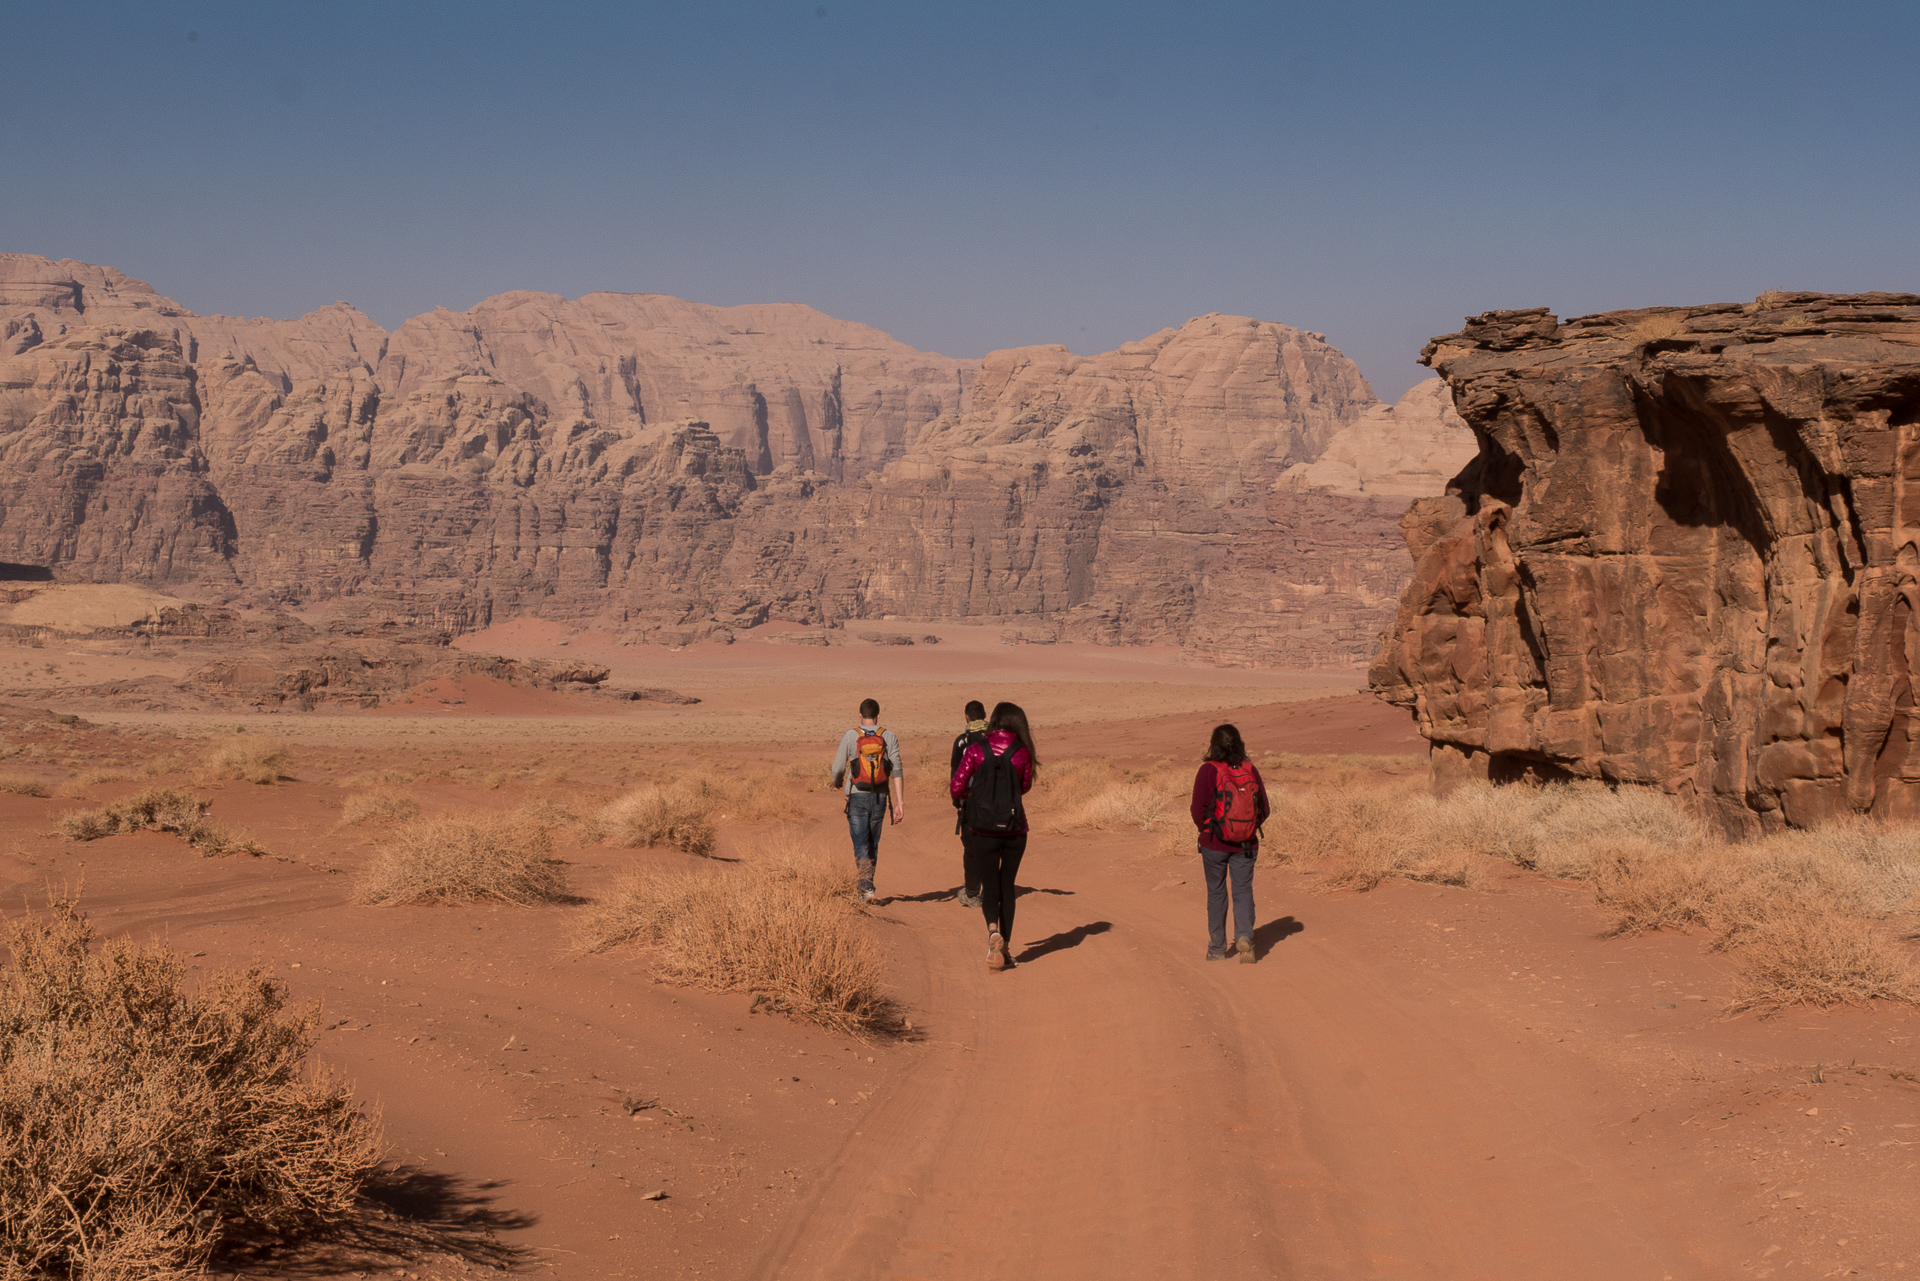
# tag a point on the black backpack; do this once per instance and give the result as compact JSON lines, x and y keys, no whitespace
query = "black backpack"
{"x":993,"y":803}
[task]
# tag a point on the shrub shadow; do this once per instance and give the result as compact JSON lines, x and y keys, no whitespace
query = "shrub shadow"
{"x":1021,"y":891}
{"x":1273,"y":933}
{"x":405,"y":1213}
{"x":1062,"y":941}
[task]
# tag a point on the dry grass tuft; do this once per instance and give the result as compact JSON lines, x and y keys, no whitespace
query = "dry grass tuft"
{"x":161,"y":809}
{"x":372,"y":778}
{"x":1096,"y":793}
{"x":1799,"y":910}
{"x":1767,"y":301}
{"x":656,"y":814}
{"x":461,"y":858}
{"x":1805,"y":955}
{"x":141,"y":1123}
{"x":22,"y":785}
{"x":263,"y":761}
{"x":381,"y":805}
{"x":1661,"y":325}
{"x":784,"y":924}
{"x":76,"y":786}
{"x":682,"y":810}
{"x":585,"y":828}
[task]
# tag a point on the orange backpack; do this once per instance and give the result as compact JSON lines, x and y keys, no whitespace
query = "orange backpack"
{"x":868,"y":769}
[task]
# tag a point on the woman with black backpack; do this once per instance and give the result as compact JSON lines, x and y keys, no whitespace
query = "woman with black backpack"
{"x":987,"y":785}
{"x":1229,"y":805}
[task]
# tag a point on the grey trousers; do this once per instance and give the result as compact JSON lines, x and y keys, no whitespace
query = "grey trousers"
{"x":1218,"y":867}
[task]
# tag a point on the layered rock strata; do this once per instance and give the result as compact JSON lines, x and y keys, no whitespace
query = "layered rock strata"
{"x":673,"y":471}
{"x":1687,"y":555}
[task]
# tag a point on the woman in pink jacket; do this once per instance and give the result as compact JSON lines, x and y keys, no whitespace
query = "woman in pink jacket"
{"x":987,"y":787}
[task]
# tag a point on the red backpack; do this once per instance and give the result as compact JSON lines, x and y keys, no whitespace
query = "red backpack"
{"x":1236,"y":803}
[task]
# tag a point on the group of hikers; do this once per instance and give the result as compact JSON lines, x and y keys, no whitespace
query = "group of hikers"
{"x":993,"y":766}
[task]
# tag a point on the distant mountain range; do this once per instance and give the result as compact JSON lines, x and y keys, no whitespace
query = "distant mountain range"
{"x":673,"y":470}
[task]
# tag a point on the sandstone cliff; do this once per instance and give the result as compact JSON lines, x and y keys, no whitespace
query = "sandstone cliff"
{"x":1685,"y":556}
{"x":674,"y":470}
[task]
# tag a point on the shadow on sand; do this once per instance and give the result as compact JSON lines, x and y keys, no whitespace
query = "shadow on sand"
{"x":406,"y":1213}
{"x":1273,"y":933}
{"x":1062,"y":941}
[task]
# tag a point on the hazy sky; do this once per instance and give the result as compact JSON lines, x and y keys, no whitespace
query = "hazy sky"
{"x":972,"y":176}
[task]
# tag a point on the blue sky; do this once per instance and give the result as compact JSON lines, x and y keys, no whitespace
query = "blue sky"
{"x":972,"y":176}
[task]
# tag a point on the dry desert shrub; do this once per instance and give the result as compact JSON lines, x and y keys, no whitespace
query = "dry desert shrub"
{"x":383,"y":778}
{"x":464,"y":858}
{"x":1804,"y":955}
{"x":1654,"y":328}
{"x":585,"y":828}
{"x":261,"y":761}
{"x":1767,"y":301}
{"x":1646,"y":885}
{"x":22,"y":785}
{"x":77,"y":785}
{"x":142,"y":1122}
{"x":681,"y":810}
{"x":1135,"y":805}
{"x":161,"y":809}
{"x":1798,"y":909}
{"x":783,"y":923}
{"x":380,"y":805}
{"x":661,"y":814}
{"x":1094,"y":792}
{"x":1347,"y":770}
{"x":166,"y":763}
{"x":750,"y":795}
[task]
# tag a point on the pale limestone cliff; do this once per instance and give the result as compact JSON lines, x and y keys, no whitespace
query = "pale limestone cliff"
{"x":668,"y":469}
{"x":1408,"y":451}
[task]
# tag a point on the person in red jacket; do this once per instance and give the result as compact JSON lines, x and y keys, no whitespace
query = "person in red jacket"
{"x":988,"y":783}
{"x":1229,"y":805}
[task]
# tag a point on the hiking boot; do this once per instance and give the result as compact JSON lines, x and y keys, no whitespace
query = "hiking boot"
{"x":1244,"y":945}
{"x":969,"y":900}
{"x":866,"y":893}
{"x":1217,"y":954}
{"x":996,"y":951}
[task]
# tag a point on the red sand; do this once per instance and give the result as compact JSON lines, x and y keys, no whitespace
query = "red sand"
{"x":1412,"y":1083}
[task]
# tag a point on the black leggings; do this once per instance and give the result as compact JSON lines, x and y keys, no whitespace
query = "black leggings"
{"x":993,"y":862}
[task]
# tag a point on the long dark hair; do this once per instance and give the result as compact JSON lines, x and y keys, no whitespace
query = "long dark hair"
{"x":1226,"y":747}
{"x":1009,"y":716}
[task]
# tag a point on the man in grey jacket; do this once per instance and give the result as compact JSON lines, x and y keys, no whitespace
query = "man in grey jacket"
{"x":868,"y":765}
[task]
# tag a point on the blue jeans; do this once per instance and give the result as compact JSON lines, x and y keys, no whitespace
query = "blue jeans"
{"x":866,"y":815}
{"x":1217,"y":867}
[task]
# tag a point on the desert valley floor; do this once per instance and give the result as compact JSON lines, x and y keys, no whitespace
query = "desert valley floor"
{"x":1418,"y":1082}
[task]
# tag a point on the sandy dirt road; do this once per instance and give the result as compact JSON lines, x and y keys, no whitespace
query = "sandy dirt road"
{"x":1118,"y":1106}
{"x":1411,"y":1083}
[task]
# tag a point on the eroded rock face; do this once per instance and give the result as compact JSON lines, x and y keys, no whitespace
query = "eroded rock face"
{"x":675,"y":471}
{"x":1686,"y":556}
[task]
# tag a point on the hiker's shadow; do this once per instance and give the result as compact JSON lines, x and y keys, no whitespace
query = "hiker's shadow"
{"x":1062,"y":941}
{"x":1021,"y":891}
{"x":931,"y":896}
{"x":1267,"y":937}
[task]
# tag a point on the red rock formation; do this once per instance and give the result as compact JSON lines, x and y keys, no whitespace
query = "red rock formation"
{"x":1685,"y":556}
{"x":675,"y":470}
